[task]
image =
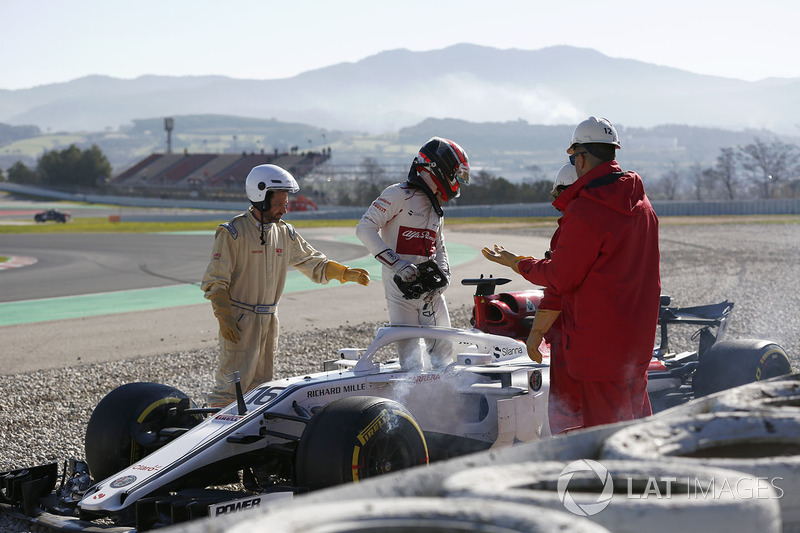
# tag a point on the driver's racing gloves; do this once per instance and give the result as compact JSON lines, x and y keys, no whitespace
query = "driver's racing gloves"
{"x":501,"y":256}
{"x":407,"y":270}
{"x":542,"y":321}
{"x":228,"y":326}
{"x":334,"y":270}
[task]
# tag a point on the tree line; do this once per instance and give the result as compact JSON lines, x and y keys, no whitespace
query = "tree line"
{"x":10,"y":134}
{"x":759,"y":170}
{"x":65,"y":168}
{"x":370,"y":179}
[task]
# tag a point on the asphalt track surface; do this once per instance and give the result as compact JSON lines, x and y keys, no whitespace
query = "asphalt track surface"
{"x":105,"y":297}
{"x":97,"y":298}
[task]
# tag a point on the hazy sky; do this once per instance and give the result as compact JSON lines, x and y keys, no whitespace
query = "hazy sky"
{"x":49,"y":41}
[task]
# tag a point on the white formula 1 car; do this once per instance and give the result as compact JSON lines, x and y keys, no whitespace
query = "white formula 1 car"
{"x":153,"y":458}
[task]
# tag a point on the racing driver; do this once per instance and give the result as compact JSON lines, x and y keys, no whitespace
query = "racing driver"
{"x":246,"y":275}
{"x":403,"y":228}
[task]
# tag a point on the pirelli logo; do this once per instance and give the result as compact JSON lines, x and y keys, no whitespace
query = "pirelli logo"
{"x":377,"y":423}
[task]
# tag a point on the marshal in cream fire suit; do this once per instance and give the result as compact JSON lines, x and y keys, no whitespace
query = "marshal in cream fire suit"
{"x":255,"y":275}
{"x":402,"y":223}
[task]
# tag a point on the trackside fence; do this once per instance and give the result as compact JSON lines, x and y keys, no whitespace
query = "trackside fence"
{"x":783,"y":206}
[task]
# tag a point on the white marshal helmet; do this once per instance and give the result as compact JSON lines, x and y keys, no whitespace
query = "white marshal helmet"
{"x":567,"y":175}
{"x":594,"y":130}
{"x":264,"y":178}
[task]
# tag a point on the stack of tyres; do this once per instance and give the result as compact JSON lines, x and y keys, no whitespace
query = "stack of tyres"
{"x":761,"y":446}
{"x":777,"y":396}
{"x":421,"y":515}
{"x":628,"y":496}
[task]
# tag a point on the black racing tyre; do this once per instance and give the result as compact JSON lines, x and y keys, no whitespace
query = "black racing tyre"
{"x":731,"y":363}
{"x":414,"y":514}
{"x":778,"y":396}
{"x":357,"y":438}
{"x":762,"y":446}
{"x":627,"y":496}
{"x":122,"y":427}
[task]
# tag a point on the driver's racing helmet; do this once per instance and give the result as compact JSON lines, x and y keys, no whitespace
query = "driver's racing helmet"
{"x":265,"y":178}
{"x":446,"y":164}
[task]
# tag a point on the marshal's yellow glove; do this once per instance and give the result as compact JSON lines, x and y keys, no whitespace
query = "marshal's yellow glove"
{"x":501,"y":256}
{"x":334,"y":270}
{"x":228,"y":326}
{"x":542,"y":321}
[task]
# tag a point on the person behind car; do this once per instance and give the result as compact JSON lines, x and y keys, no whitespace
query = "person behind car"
{"x":606,"y":268}
{"x":404,"y":227}
{"x":246,"y":275}
{"x":564,"y":400}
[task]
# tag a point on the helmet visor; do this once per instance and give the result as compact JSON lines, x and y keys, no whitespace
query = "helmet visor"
{"x":462,"y":174}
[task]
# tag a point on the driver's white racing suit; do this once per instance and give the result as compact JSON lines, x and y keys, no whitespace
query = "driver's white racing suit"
{"x":403,"y":221}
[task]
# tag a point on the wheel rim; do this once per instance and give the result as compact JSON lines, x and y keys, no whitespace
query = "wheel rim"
{"x":384,"y":456}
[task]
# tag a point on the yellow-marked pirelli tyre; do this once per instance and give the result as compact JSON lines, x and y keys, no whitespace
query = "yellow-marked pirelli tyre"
{"x":355,"y":438}
{"x":124,"y":426}
{"x":776,"y":396}
{"x":763,"y":447}
{"x":629,"y":496}
{"x":418,"y":515}
{"x":733,"y":362}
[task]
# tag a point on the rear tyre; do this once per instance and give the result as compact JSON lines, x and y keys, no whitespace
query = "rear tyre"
{"x":357,"y":438}
{"x":731,"y":363}
{"x":124,"y":426}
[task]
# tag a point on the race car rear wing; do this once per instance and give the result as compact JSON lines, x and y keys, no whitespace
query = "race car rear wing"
{"x":708,"y":316}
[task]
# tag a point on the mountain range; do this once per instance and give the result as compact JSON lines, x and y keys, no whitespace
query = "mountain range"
{"x":391,"y":90}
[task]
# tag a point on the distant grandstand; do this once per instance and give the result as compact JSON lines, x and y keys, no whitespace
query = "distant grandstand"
{"x":209,"y":175}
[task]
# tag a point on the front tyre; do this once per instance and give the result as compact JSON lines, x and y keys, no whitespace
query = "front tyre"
{"x":357,"y":438}
{"x":735,"y":362}
{"x":124,"y":426}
